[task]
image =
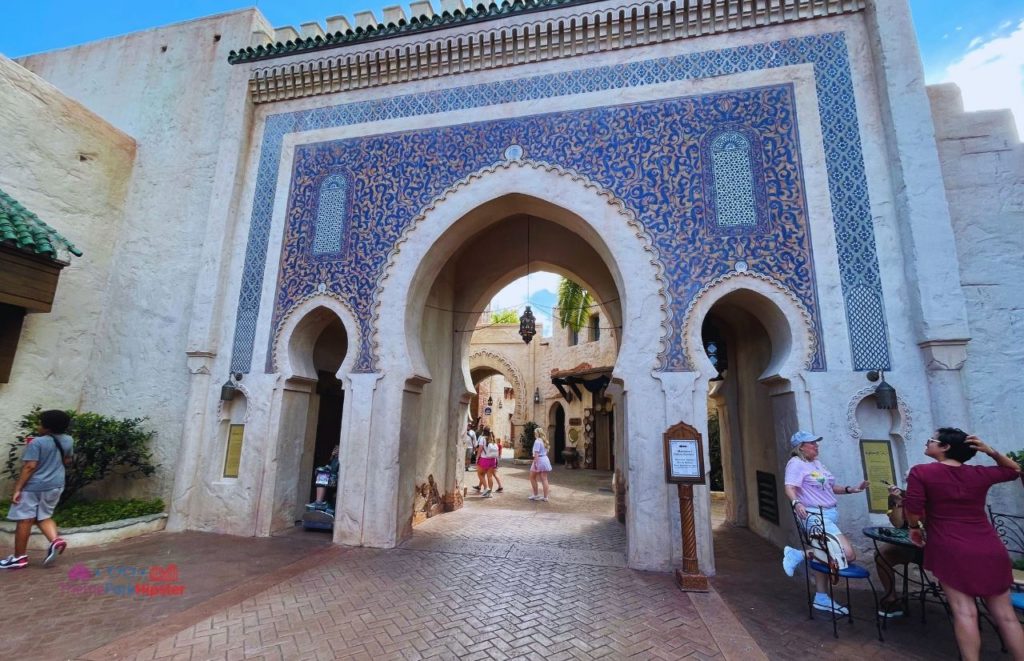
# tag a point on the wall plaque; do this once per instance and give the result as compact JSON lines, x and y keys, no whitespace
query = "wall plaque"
{"x":684,"y":455}
{"x":876,"y":457}
{"x":233,"y":456}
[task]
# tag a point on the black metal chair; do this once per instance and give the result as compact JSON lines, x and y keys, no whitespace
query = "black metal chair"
{"x":812,"y":536}
{"x":1010,"y":528}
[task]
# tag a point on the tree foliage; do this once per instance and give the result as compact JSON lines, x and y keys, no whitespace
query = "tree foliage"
{"x":104,"y":446}
{"x":505,"y":317}
{"x":574,"y":304}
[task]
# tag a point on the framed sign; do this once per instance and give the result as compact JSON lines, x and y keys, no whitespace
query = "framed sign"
{"x":876,"y":457}
{"x":233,"y":457}
{"x":684,"y":455}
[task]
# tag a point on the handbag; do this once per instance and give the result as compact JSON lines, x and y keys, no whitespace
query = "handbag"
{"x":325,"y":477}
{"x":834,"y":556}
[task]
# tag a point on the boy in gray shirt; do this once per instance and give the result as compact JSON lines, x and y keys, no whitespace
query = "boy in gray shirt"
{"x":38,"y":489}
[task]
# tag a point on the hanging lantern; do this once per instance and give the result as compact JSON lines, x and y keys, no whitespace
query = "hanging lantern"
{"x":527,"y":325}
{"x":885,"y":396}
{"x":490,"y":401}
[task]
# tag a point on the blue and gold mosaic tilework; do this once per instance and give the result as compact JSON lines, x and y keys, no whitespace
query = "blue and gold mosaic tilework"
{"x":844,"y":161}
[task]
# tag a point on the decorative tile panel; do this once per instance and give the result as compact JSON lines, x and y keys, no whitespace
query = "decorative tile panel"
{"x":682,"y":261}
{"x":331,"y":216}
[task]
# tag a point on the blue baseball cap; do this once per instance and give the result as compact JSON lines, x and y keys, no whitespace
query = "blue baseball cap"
{"x":803,"y":437}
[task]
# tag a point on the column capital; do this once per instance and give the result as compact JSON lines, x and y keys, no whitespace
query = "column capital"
{"x":945,"y":354}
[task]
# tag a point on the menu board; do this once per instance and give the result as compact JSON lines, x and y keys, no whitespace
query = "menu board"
{"x":684,"y":455}
{"x":876,"y":457}
{"x":684,"y":458}
{"x":233,"y":457}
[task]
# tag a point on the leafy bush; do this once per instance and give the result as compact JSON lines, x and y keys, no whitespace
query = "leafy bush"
{"x":526,"y":439}
{"x":1019,"y":564}
{"x":103,"y":446}
{"x":505,"y":317}
{"x":1017,"y":456}
{"x":73,"y":515}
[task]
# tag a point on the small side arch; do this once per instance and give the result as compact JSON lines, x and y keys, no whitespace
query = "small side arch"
{"x":292,"y":352}
{"x":789,"y":324}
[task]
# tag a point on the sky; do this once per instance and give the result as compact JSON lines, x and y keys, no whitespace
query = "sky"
{"x":977,"y":45}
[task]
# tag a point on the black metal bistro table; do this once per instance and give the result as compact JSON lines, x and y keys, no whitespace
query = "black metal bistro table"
{"x":919,"y":585}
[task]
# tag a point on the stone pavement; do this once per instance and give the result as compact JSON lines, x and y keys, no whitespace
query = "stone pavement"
{"x":502,"y":578}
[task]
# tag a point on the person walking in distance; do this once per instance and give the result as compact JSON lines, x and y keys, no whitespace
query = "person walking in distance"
{"x":38,"y":488}
{"x":540,"y":467}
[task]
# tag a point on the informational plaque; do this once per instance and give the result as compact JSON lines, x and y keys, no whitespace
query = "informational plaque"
{"x":684,"y":455}
{"x":878,"y":469}
{"x":233,"y":457}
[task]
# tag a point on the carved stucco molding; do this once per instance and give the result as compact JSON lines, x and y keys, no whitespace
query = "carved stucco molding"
{"x":807,"y":326}
{"x":300,"y":309}
{"x":502,"y":364}
{"x":513,"y":43}
{"x":906,"y":418}
{"x":223,"y":411}
{"x":639,"y":231}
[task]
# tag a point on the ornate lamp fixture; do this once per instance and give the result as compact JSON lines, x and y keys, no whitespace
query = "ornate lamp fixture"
{"x":885,"y":395}
{"x":228,"y":390}
{"x":527,"y":325}
{"x":536,"y":395}
{"x":527,"y":322}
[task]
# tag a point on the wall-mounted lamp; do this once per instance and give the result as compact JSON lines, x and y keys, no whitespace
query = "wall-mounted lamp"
{"x":536,"y":395}
{"x":228,"y":390}
{"x":885,"y":395}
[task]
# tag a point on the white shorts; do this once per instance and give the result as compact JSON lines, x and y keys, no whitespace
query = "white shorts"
{"x":38,"y":505}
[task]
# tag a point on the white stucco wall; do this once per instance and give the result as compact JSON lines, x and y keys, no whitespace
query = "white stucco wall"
{"x":71,"y":168}
{"x":173,"y":91}
{"x":983,"y":170}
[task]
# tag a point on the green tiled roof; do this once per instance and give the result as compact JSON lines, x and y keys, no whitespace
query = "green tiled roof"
{"x":482,"y":12}
{"x":23,"y":229}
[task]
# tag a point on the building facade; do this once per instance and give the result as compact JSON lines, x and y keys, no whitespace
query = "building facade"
{"x":316,"y":218}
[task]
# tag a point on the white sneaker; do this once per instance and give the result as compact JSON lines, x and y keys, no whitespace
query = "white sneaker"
{"x":486,"y":493}
{"x":544,"y":498}
{"x":534,"y":498}
{"x":791,"y":559}
{"x":823,"y":603}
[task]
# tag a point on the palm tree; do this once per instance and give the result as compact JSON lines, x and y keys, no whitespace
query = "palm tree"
{"x":574,"y":303}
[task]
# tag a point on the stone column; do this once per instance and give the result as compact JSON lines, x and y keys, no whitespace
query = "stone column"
{"x":355,"y":448}
{"x":187,"y":463}
{"x":932,"y":281}
{"x":682,"y":404}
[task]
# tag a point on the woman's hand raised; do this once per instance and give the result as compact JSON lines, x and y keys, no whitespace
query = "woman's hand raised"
{"x":979,"y":445}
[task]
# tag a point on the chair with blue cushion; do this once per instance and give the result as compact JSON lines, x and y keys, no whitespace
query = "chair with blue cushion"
{"x":813,"y":537}
{"x":1010,"y":528}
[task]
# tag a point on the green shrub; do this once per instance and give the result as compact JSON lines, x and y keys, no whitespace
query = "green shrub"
{"x":526,"y":439}
{"x":83,"y":513}
{"x":104,"y":446}
{"x":1019,"y":564}
{"x":1017,"y":456}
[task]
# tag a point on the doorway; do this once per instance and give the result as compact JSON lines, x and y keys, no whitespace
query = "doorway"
{"x":558,"y":428}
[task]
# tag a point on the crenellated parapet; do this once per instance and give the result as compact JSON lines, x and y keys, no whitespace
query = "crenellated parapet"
{"x":589,"y":28}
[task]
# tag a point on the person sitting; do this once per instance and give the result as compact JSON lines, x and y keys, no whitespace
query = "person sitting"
{"x":321,"y":489}
{"x":890,"y":556}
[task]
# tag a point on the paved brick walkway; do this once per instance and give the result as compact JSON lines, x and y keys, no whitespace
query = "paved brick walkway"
{"x":773,"y":609}
{"x":503,"y":578}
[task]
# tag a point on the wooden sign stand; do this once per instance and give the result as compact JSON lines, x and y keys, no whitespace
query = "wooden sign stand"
{"x":684,"y":466}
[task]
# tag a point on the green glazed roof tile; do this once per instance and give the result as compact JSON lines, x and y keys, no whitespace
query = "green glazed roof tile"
{"x":475,"y":14}
{"x":23,"y":229}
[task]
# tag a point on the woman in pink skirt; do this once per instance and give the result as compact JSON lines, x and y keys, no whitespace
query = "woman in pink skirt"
{"x":962,"y":548}
{"x":541,"y":465}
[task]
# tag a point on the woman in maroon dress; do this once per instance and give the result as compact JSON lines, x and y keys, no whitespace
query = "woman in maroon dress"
{"x":963,"y":550}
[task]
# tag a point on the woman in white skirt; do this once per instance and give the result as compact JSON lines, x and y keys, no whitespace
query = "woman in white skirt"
{"x":541,"y":466}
